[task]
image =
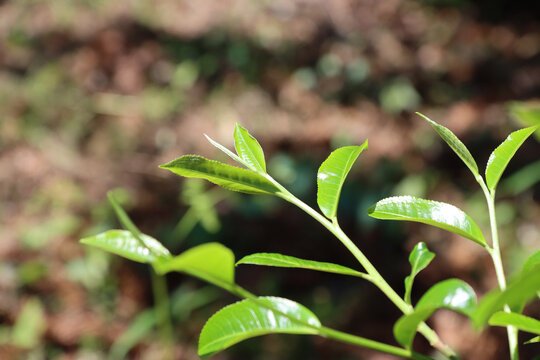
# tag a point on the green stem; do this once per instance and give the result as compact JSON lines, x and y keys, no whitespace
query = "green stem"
{"x":374,"y":275}
{"x":495,"y":253}
{"x":163,"y":314}
{"x":336,"y":334}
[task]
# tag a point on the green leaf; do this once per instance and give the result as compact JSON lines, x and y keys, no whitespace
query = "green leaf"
{"x":452,"y":294}
{"x":517,"y":293}
{"x":442,"y":215}
{"x":123,"y":243}
{"x":279,"y":260}
{"x":452,"y":140}
{"x":419,"y":258}
{"x":533,"y":340}
{"x":331,"y":177}
{"x":30,"y":326}
{"x":249,"y":318}
{"x":248,"y":149}
{"x":227,"y":176}
{"x":211,"y":262}
{"x":527,"y":113}
{"x":519,"y":321}
{"x":501,"y":156}
{"x":531,"y":262}
{"x":226,"y":151}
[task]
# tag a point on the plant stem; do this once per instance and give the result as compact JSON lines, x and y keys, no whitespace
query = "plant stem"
{"x":163,"y":313}
{"x":336,"y":334}
{"x":495,"y":253}
{"x":374,"y":275}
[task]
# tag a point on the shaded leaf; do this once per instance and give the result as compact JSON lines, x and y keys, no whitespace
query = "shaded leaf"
{"x":123,"y":243}
{"x":230,"y":177}
{"x":521,"y":322}
{"x":211,"y":262}
{"x":452,"y":294}
{"x":249,"y":318}
{"x":442,"y":215}
{"x":248,"y":149}
{"x":452,"y":140}
{"x":279,"y":260}
{"x":331,"y":177}
{"x":501,"y":156}
{"x":419,"y":259}
{"x":517,"y":293}
{"x":531,"y":262}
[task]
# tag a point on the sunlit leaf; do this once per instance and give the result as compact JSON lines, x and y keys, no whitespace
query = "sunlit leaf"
{"x":226,"y":151}
{"x":453,"y":294}
{"x":527,"y":113}
{"x":123,"y":243}
{"x":518,"y":292}
{"x":331,"y":177}
{"x":211,"y":262}
{"x":502,"y":155}
{"x":248,"y":149}
{"x":248,"y":318}
{"x":419,"y":258}
{"x":442,"y":215}
{"x":519,"y":321}
{"x":279,"y":260}
{"x":452,"y":140}
{"x":534,"y":340}
{"x":230,"y":177}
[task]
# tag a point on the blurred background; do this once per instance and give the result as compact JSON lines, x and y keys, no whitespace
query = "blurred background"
{"x":95,"y":94}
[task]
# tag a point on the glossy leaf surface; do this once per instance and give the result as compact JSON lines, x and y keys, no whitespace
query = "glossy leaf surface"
{"x":248,"y":318}
{"x":522,"y":322}
{"x":452,"y":140}
{"x":453,"y":294}
{"x":248,"y":149}
{"x":501,"y":156}
{"x":279,"y":260}
{"x":419,"y":259}
{"x":123,"y":243}
{"x":227,"y":176}
{"x":211,"y":262}
{"x":517,"y":293}
{"x":442,"y":215}
{"x":331,"y":176}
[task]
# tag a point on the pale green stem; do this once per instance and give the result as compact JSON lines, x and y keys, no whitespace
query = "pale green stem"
{"x":495,"y":252}
{"x":335,"y":334}
{"x":374,"y":276}
{"x":163,"y":313}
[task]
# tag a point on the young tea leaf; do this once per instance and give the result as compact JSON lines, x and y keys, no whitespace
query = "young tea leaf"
{"x":211,"y":262}
{"x":279,"y":260}
{"x":442,"y":215}
{"x":419,"y":258}
{"x":227,"y":176}
{"x":501,"y":156}
{"x":226,"y":151}
{"x":518,"y":292}
{"x":249,"y":318}
{"x":452,"y":140}
{"x":452,"y":294}
{"x":519,"y":321}
{"x":534,"y":340}
{"x":248,"y":149}
{"x":331,"y":177}
{"x":123,"y":243}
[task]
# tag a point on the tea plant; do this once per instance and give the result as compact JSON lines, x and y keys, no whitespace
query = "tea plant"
{"x":255,"y":316}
